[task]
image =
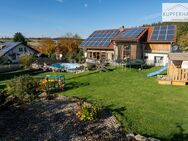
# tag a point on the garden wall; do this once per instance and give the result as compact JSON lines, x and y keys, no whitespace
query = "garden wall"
{"x":8,"y":68}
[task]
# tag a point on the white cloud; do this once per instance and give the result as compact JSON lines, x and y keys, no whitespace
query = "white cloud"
{"x":59,"y":1}
{"x":85,"y":5}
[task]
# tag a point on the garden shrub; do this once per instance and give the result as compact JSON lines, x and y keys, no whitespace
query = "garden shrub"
{"x":22,"y":87}
{"x":2,"y":96}
{"x":26,"y":60}
{"x":87,"y":112}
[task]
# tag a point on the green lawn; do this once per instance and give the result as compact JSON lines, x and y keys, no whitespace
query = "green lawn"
{"x":140,"y":103}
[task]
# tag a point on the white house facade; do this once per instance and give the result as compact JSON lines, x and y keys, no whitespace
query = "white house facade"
{"x":157,"y":59}
{"x":11,"y":51}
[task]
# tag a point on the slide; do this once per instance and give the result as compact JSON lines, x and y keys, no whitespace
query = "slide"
{"x":157,"y":72}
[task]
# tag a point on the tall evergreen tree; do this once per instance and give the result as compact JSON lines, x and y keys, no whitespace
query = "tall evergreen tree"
{"x":18,"y":37}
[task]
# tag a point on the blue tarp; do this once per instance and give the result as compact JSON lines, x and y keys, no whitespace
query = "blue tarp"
{"x":157,"y":72}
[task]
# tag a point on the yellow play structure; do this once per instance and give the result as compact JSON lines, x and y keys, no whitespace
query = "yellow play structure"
{"x":177,"y":72}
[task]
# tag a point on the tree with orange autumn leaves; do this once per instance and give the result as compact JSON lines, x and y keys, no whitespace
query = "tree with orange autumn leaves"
{"x":67,"y":46}
{"x":47,"y":46}
{"x":69,"y":43}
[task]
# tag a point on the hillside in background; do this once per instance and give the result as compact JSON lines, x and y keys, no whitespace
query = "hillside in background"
{"x":35,"y":42}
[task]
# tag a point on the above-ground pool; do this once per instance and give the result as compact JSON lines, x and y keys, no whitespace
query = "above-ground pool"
{"x":66,"y":66}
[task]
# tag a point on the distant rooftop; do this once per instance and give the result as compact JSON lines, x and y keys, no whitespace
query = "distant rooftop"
{"x":6,"y":46}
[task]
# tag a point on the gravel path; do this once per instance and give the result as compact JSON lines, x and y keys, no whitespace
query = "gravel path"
{"x":55,"y":120}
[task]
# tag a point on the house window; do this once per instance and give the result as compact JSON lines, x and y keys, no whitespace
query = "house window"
{"x":126,"y":52}
{"x":89,"y":54}
{"x":25,"y":49}
{"x":103,"y":56}
{"x":20,"y":49}
{"x":158,"y":59}
{"x":94,"y":55}
{"x":112,"y":56}
{"x":98,"y":55}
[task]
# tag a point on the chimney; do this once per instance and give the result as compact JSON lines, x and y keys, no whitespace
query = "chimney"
{"x":122,"y":28}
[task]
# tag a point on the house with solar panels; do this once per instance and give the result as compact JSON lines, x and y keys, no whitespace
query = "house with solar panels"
{"x":159,"y":44}
{"x":99,"y":45}
{"x":150,"y":44}
{"x":12,"y":50}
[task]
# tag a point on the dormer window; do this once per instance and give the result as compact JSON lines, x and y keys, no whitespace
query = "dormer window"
{"x":20,"y":49}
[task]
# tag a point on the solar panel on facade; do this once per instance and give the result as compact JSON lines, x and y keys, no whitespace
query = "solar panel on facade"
{"x":170,"y":31}
{"x":100,"y":38}
{"x":163,"y":33}
{"x":157,"y":27}
{"x":171,"y":27}
{"x":82,"y":44}
{"x":163,"y":27}
{"x":154,"y":37}
{"x":131,"y":33}
{"x":161,"y":37}
{"x":170,"y":37}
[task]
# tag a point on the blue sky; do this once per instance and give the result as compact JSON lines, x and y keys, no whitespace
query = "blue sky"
{"x":54,"y":18}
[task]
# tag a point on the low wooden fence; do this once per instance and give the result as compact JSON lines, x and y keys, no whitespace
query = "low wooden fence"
{"x":180,"y":75}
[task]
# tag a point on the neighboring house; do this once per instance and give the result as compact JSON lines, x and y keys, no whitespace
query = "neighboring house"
{"x":151,"y":44}
{"x":12,"y":50}
{"x":58,"y":54}
{"x":159,"y":44}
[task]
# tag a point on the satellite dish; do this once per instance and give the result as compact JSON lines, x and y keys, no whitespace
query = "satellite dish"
{"x":175,"y":48}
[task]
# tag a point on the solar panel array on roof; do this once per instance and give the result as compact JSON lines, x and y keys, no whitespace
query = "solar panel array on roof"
{"x":131,"y":33}
{"x":101,"y":38}
{"x":163,"y":33}
{"x":7,"y":46}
